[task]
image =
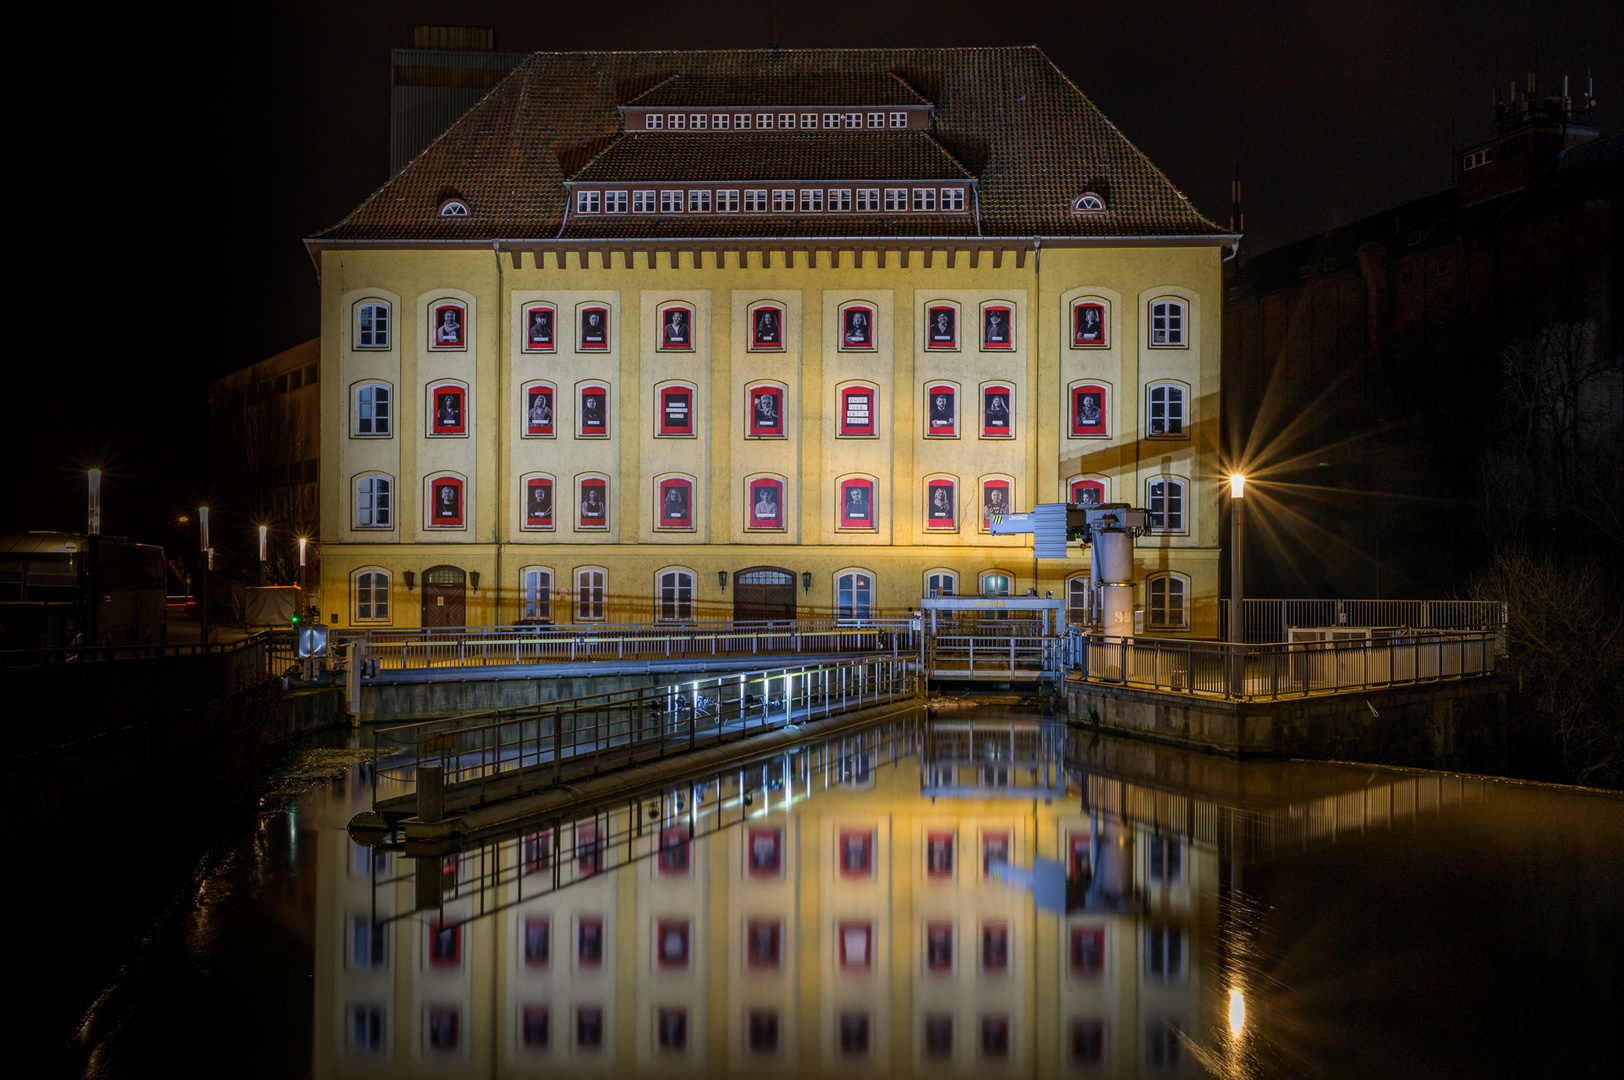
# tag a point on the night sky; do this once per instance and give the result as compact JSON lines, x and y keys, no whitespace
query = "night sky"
{"x":182,"y":163}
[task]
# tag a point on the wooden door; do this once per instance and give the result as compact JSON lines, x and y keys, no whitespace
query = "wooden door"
{"x":443,"y":596}
{"x":763,"y":594}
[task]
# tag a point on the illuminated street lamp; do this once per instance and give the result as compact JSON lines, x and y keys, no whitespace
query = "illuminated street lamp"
{"x":1237,"y":635}
{"x":262,"y":531}
{"x":95,"y":502}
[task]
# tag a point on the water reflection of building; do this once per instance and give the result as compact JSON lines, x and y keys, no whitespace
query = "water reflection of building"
{"x":850,"y":923}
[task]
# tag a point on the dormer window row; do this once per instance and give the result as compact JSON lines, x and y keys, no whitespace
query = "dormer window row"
{"x":911,"y":197}
{"x":801,"y":118}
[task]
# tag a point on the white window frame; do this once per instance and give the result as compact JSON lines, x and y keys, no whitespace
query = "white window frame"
{"x":764,"y":121}
{"x":720,"y":121}
{"x":854,"y":595}
{"x":1165,"y":855}
{"x":809,"y":120}
{"x":1167,"y":601}
{"x":369,"y":587}
{"x":783,"y":201}
{"x":935,"y":579}
{"x":811,"y":200}
{"x":876,"y":120}
{"x":653,"y":121}
{"x":924,"y":199}
{"x":679,"y":121}
{"x":699,"y":121}
{"x":741,"y":121}
{"x":840,"y":200}
{"x":591,"y":591}
{"x":868,"y":200}
{"x":1170,"y":505}
{"x":727,"y":202}
{"x":614,"y":202}
{"x":1166,"y":401}
{"x":375,"y":519}
{"x":831,"y":120}
{"x":899,"y":119}
{"x":1169,"y":323}
{"x":699,"y":202}
{"x":642,"y":202}
{"x":674,"y":589}
{"x":1004,"y":577}
{"x":536,"y":593}
{"x":1079,"y":600}
{"x":588,"y":202}
{"x":755,"y":200}
{"x":896,"y":199}
{"x":670,"y":202}
{"x":380,"y":338}
{"x":853,"y":120}
{"x":953,"y":198}
{"x":382,"y":412}
{"x":1167,"y":950}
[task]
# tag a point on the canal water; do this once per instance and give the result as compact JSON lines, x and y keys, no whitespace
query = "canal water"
{"x":985,"y":895}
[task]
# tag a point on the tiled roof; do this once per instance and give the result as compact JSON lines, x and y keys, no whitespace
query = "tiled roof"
{"x":789,"y":155}
{"x":810,"y":77}
{"x":1014,"y":121}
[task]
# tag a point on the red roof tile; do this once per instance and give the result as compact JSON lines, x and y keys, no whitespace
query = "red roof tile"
{"x":726,"y":157}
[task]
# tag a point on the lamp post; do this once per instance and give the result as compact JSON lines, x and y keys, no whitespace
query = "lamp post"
{"x":205,"y":612}
{"x":262,"y":531}
{"x":93,"y":589}
{"x":1237,"y":633}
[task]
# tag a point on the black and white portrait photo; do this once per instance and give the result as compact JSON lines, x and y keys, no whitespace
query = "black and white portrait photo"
{"x":594,"y":328}
{"x":994,"y":500}
{"x":538,"y":507}
{"x":674,"y":505}
{"x":764,"y":410}
{"x":1089,"y":412}
{"x":594,"y":411}
{"x":995,"y":412}
{"x":593,"y":506}
{"x":858,"y":329}
{"x":448,"y":410}
{"x":995,"y":328}
{"x":939,"y":511}
{"x":1089,"y":324}
{"x":857,"y":509}
{"x":539,"y":412}
{"x":1086,"y":494}
{"x":765,"y":329}
{"x":941,"y":421}
{"x":448,"y":327}
{"x":538,"y":331}
{"x":941,"y":328}
{"x":857,"y":416}
{"x":676,"y":418}
{"x":447,"y":503}
{"x":676,"y":329}
{"x":764,"y":511}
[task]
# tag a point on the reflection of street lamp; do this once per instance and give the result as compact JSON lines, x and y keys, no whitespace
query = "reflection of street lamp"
{"x":95,"y":502}
{"x":262,"y":531}
{"x":1237,"y":635}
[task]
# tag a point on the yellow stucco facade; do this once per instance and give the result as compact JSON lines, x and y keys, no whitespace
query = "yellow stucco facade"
{"x":494,"y":457}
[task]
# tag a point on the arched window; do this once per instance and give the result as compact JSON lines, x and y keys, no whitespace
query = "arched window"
{"x":374,"y":503}
{"x":854,"y":594}
{"x":536,"y":594}
{"x":941,"y":583}
{"x":453,"y":208}
{"x":1079,"y":601}
{"x":371,"y":595}
{"x":1166,"y":410}
{"x":372,"y":325}
{"x":373,"y":411}
{"x":1088,"y":203}
{"x":589,"y":592}
{"x":997,"y":583}
{"x":1167,"y":324}
{"x":676,"y":596}
{"x":1169,"y":601}
{"x":1166,"y":505}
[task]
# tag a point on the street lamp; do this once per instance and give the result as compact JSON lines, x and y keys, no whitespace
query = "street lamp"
{"x":1237,"y":634}
{"x":262,"y":531}
{"x":95,"y":502}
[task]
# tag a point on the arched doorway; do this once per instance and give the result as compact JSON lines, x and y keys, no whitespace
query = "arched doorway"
{"x":443,"y":597}
{"x":763,"y":594}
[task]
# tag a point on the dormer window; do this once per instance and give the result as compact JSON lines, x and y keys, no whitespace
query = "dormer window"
{"x":453,"y":207}
{"x":1089,"y":204}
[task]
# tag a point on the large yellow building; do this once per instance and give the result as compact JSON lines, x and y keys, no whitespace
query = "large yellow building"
{"x":762,"y":334}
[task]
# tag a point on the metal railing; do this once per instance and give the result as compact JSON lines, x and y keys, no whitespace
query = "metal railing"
{"x":989,"y":656}
{"x":1282,"y":669}
{"x":500,"y":753}
{"x":408,"y":649}
{"x":1265,"y":620}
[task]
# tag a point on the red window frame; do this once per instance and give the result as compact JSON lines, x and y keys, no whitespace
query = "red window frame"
{"x":535,"y":1027}
{"x":1076,"y":420}
{"x":939,"y":852}
{"x":1008,"y":313}
{"x":685,"y":503}
{"x":1079,"y":863}
{"x":436,"y":316}
{"x":764,"y":852}
{"x":666,"y":342}
{"x":1079,"y":486}
{"x":601,"y":484}
{"x":995,"y":946}
{"x":939,"y":947}
{"x":1086,"y":957}
{"x":588,"y":850}
{"x":444,"y":945}
{"x":774,"y":485}
{"x":990,"y":486}
{"x":675,"y":410}
{"x":934,"y":428}
{"x":856,"y":945}
{"x":582,"y":959}
{"x":931,"y":342}
{"x":537,"y":344}
{"x":537,"y":520}
{"x":672,"y":938}
{"x":531,"y":391}
{"x":856,"y":853}
{"x":536,"y":851}
{"x":449,"y":521}
{"x":673,"y":858}
{"x":759,"y":342}
{"x":847,"y":342}
{"x":582,"y":428}
{"x":848,"y":400}
{"x":1099,"y":340}
{"x":581,"y":342}
{"x":847,"y":521}
{"x":764,"y":932}
{"x":932,"y":521}
{"x":990,"y":429}
{"x":442,"y":390}
{"x":774,"y":430}
{"x":536,"y":951}
{"x":990,"y":841}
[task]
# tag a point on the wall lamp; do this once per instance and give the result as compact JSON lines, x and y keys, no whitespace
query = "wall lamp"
{"x":473,"y":579}
{"x":721,"y":578}
{"x":806,"y":580}
{"x":411,"y":580}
